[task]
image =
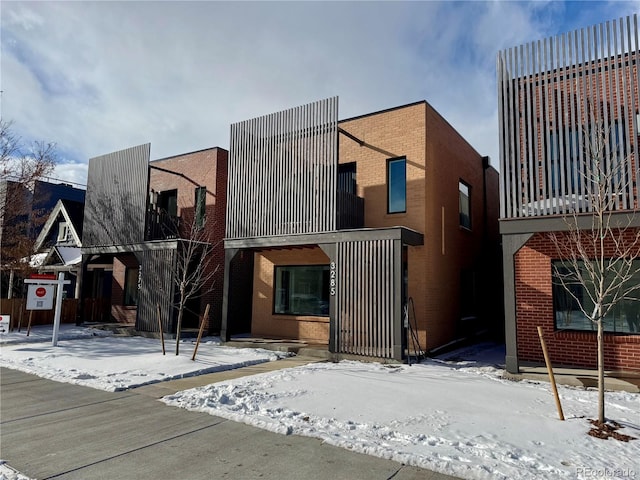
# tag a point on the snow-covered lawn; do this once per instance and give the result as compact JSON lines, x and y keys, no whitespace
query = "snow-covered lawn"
{"x":92,"y":358}
{"x":454,"y":414}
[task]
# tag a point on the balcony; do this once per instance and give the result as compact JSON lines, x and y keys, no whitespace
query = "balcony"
{"x":161,"y":226}
{"x":350,"y":211}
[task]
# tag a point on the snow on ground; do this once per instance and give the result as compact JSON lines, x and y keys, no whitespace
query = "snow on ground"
{"x":8,"y":473}
{"x":87,"y":357}
{"x":454,"y":414}
{"x":43,"y":333}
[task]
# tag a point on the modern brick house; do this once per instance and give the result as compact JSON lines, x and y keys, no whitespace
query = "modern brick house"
{"x":138,"y":218}
{"x":555,"y":96}
{"x":332,"y":226}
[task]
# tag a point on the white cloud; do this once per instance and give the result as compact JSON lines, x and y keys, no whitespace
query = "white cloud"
{"x":96,"y":77}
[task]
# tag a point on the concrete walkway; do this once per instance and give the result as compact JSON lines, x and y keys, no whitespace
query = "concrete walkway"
{"x":58,"y":430}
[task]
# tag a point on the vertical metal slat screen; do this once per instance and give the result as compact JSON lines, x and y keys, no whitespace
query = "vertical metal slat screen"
{"x":283,"y":172}
{"x":156,"y":284}
{"x":116,"y":200}
{"x":552,"y":96}
{"x":365,"y":298}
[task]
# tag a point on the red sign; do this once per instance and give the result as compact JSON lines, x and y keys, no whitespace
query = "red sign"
{"x":41,"y":292}
{"x":43,"y":276}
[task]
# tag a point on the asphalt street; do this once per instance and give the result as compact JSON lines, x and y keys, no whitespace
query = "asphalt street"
{"x":57,"y":430}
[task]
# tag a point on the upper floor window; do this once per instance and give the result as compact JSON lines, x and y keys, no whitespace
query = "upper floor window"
{"x":200,"y":206}
{"x":397,"y":185}
{"x":168,"y":201}
{"x":575,"y":149}
{"x":347,"y":177}
{"x":63,"y":231}
{"x":464,"y":195}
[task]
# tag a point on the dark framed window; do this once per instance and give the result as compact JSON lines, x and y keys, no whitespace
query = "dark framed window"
{"x":131,"y":275}
{"x":168,"y":201}
{"x":301,"y":290}
{"x":464,"y":195}
{"x":397,"y":185}
{"x":200,"y":206}
{"x":624,"y":317}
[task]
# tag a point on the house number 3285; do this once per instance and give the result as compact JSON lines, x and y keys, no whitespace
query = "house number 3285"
{"x":332,"y":278}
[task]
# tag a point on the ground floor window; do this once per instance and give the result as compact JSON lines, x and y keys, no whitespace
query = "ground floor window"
{"x":131,"y":286}
{"x":624,"y":317}
{"x":301,"y":290}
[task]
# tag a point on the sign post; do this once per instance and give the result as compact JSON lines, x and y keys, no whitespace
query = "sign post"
{"x":40,"y":297}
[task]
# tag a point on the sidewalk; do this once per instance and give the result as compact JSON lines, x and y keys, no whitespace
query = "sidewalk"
{"x":623,"y":381}
{"x":64,"y":431}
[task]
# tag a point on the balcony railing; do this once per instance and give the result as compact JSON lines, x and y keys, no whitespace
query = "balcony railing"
{"x":350,"y":210}
{"x":161,"y":225}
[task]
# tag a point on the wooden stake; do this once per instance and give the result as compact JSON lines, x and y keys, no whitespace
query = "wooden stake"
{"x":161,"y":330}
{"x":552,"y":379}
{"x":204,"y":319}
{"x":29,"y":325}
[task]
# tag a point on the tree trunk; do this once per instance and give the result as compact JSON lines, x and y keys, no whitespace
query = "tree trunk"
{"x":600,"y":372}
{"x":179,"y":326}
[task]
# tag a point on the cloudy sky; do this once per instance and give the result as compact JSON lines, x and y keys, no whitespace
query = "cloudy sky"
{"x":96,"y":77}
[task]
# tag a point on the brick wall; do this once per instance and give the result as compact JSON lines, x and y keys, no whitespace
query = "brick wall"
{"x":267,"y":324}
{"x":202,"y":168}
{"x":534,"y":307}
{"x":120,"y":312}
{"x":437,"y":159}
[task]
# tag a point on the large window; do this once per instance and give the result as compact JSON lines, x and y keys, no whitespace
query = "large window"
{"x":397,"y":185}
{"x":464,"y":194}
{"x":302,"y":290}
{"x":131,"y":286}
{"x":624,"y":317}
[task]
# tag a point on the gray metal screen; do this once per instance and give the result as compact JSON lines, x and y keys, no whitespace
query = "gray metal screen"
{"x":283,"y":172}
{"x":116,"y":200}
{"x":157,"y":288}
{"x":365,"y":311}
{"x":554,"y":94}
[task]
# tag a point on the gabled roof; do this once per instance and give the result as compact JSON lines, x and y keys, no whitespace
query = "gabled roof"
{"x":67,"y":256}
{"x":73,"y":213}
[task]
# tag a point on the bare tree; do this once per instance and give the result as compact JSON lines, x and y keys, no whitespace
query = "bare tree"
{"x":597,"y":253}
{"x":20,"y":166}
{"x":195,"y":266}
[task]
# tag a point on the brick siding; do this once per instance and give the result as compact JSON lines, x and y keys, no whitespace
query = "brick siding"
{"x":534,"y":307}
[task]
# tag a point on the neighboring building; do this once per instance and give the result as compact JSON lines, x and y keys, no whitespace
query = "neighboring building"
{"x":58,"y":244}
{"x":24,"y":213}
{"x":138,"y":216}
{"x":332,"y":226}
{"x":554,"y":95}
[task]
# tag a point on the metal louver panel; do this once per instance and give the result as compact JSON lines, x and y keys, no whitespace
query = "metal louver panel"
{"x":554,"y":95}
{"x":157,"y":287}
{"x":365,"y":310}
{"x":283,"y":172}
{"x":116,"y":200}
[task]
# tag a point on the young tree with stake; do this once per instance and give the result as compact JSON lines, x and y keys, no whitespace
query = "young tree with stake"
{"x":195,"y":269}
{"x":599,"y":249}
